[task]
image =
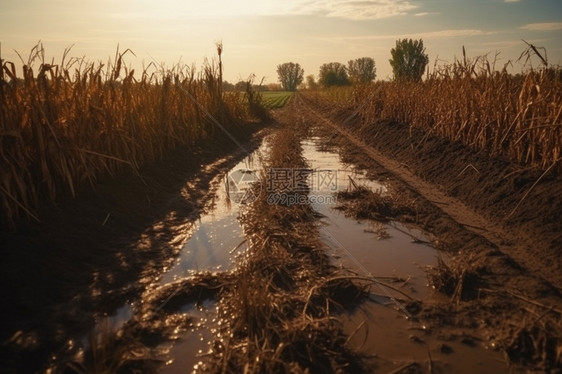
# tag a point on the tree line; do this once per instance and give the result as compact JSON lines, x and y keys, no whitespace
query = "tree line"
{"x":408,"y":62}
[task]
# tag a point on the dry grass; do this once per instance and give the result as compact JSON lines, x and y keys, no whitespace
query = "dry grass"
{"x":110,"y":351}
{"x":461,"y":279}
{"x":68,"y":124}
{"x":362,"y":203}
{"x":512,"y":116}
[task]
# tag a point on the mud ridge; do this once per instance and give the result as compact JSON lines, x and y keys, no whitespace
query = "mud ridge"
{"x":517,"y":214}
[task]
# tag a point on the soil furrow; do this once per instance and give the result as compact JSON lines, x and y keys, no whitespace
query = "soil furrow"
{"x":519,"y":246}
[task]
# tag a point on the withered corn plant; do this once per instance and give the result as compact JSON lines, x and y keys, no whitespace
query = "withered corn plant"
{"x":514,"y":116}
{"x":68,"y":124}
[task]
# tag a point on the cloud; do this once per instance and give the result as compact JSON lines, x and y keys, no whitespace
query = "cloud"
{"x":423,"y":14}
{"x":453,"y":33}
{"x":347,"y":9}
{"x":356,"y":10}
{"x":547,"y":26}
{"x":439,"y":34}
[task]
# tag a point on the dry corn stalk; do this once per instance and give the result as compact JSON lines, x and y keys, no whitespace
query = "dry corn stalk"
{"x":65,"y":125}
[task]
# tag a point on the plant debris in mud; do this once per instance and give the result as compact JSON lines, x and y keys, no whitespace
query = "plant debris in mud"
{"x":505,"y":298}
{"x":363,"y":203}
{"x":279,"y":311}
{"x":537,"y":342}
{"x":276,"y":309}
{"x":528,"y":331}
{"x":461,"y":279}
{"x":112,"y":351}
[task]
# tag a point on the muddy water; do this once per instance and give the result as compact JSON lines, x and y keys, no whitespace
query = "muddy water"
{"x":382,"y":327}
{"x":356,"y":244}
{"x":185,"y":354}
{"x":216,"y":233}
{"x":379,"y":328}
{"x":216,"y":239}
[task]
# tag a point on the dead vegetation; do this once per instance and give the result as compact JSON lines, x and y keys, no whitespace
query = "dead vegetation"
{"x":363,"y":203}
{"x":112,"y":351}
{"x":525,"y":328}
{"x":278,"y":310}
{"x":537,"y":342}
{"x":136,"y":346}
{"x":461,"y":280}
{"x":487,"y":291}
{"x":280,"y":313}
{"x":65,"y":125}
{"x":529,"y":331}
{"x":471,"y":101}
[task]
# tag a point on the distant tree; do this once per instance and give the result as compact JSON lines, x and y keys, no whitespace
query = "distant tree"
{"x":311,"y":83}
{"x":274,"y":87}
{"x":290,"y":75}
{"x":259,"y":87}
{"x":408,"y":59}
{"x":361,"y":70}
{"x":333,"y":74}
{"x":241,"y":86}
{"x":227,"y":86}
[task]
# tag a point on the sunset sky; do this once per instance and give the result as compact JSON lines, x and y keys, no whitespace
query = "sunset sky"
{"x":260,"y":34}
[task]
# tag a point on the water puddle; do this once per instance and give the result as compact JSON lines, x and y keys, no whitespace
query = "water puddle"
{"x":379,"y":328}
{"x":217,"y":233}
{"x":212,"y":245}
{"x":355,"y":244}
{"x":392,"y":343}
{"x":352,"y":244}
{"x":216,"y":239}
{"x":186,"y":353}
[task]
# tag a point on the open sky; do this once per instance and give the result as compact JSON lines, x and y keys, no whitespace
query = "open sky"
{"x":260,"y":34}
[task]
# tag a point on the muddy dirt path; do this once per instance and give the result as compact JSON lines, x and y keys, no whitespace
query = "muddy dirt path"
{"x":512,"y":296}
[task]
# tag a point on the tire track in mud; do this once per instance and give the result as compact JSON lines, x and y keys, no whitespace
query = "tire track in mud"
{"x":496,"y":234}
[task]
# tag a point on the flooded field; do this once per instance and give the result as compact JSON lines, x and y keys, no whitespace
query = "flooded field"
{"x":401,"y":252}
{"x":217,"y":239}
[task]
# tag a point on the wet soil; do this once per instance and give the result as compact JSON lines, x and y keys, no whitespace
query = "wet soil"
{"x":500,"y":222}
{"x":92,"y":253}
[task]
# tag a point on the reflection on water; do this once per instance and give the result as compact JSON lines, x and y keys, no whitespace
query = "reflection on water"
{"x":209,"y":246}
{"x":194,"y":344}
{"x":396,"y":344}
{"x":217,"y":232}
{"x":215,"y":240}
{"x":355,"y":243}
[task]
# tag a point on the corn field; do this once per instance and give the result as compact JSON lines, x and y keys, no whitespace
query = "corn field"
{"x":517,"y":117}
{"x":69,"y":124}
